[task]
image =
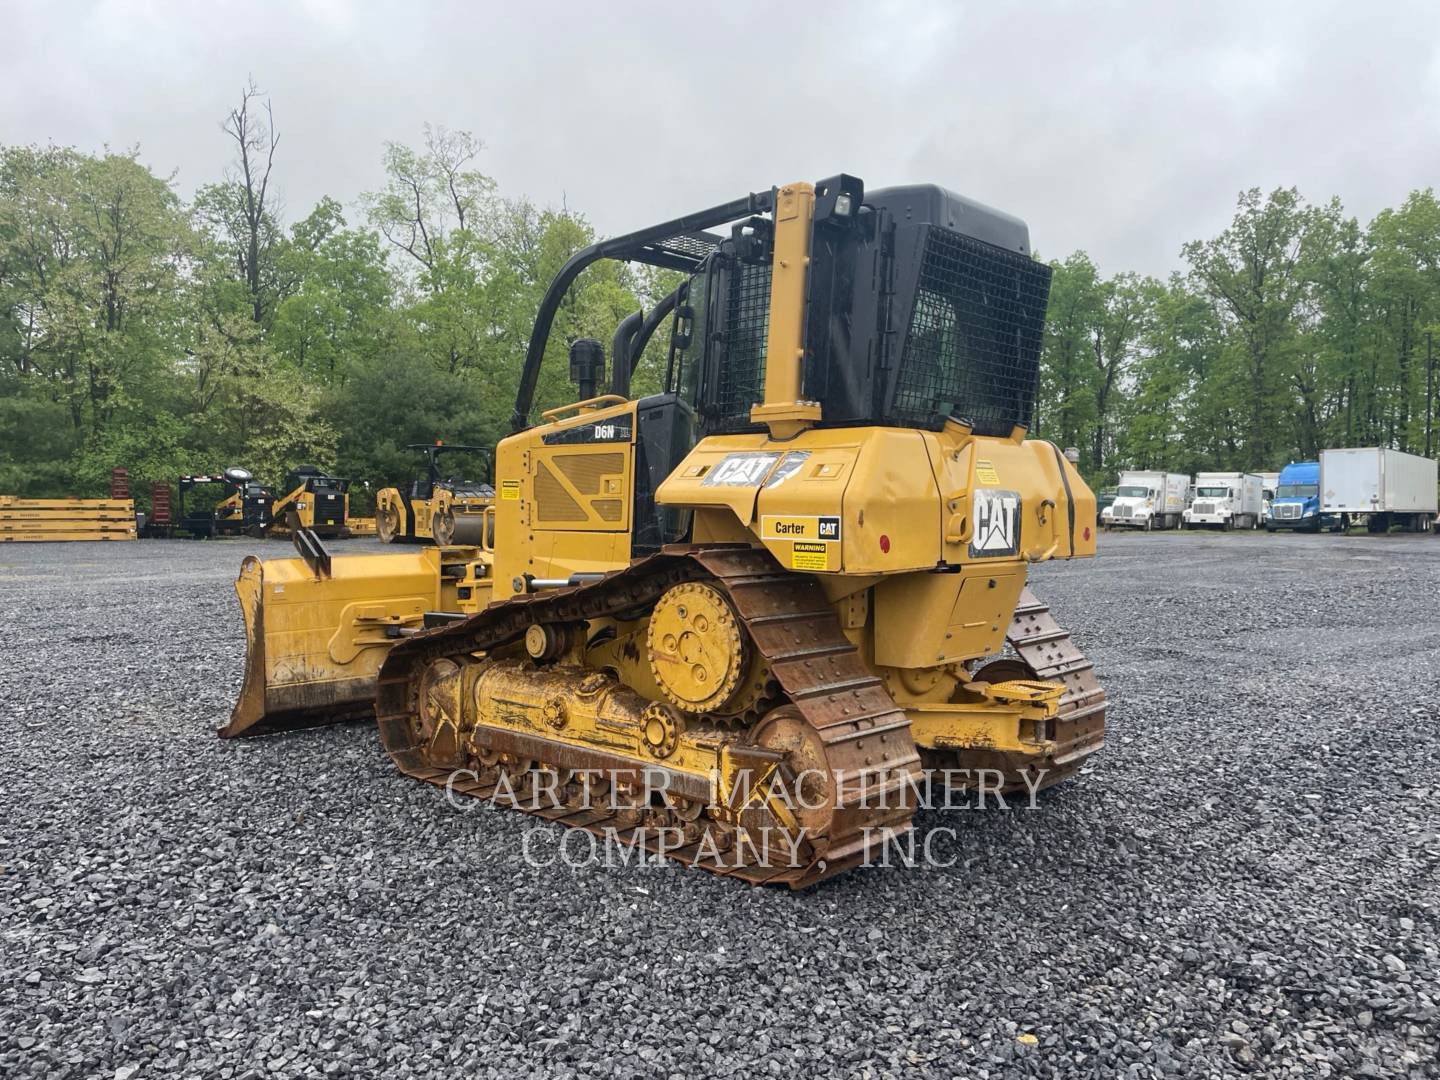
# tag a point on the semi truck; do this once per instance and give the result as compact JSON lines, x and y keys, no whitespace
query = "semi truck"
{"x":1226,"y":500}
{"x":1296,"y":505}
{"x":1382,"y":487}
{"x":1148,"y":500}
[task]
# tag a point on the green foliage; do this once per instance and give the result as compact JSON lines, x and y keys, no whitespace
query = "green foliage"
{"x":175,"y":339}
{"x":340,"y":308}
{"x":1293,"y":330}
{"x":396,"y":400}
{"x":152,"y":448}
{"x":219,"y":217}
{"x":36,"y":440}
{"x":137,"y":330}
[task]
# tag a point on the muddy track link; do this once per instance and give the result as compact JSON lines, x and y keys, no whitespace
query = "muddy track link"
{"x":1046,"y":648}
{"x":865,"y":736}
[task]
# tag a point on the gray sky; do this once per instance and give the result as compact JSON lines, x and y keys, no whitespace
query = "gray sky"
{"x":1124,"y":128}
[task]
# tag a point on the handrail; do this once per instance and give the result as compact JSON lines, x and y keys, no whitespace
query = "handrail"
{"x":598,"y":402}
{"x":487,"y":529}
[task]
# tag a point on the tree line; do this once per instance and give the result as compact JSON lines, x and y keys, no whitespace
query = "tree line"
{"x":177,"y":337}
{"x":138,"y":329}
{"x":1294,"y":330}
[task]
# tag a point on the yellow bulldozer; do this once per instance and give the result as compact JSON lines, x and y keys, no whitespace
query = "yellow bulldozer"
{"x":446,"y":511}
{"x":736,"y":622}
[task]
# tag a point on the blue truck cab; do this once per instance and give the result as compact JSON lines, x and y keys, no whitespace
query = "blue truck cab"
{"x":1297,"y":500}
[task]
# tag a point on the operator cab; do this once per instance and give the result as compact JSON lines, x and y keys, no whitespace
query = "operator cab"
{"x":424,"y":484}
{"x":313,"y":480}
{"x":922,"y":308}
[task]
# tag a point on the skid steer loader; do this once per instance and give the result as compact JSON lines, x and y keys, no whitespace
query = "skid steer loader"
{"x":445,"y":511}
{"x":761,"y":603}
{"x":311,"y":501}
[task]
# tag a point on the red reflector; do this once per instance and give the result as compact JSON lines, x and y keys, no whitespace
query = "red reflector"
{"x":1087,"y":532}
{"x":884,"y":544}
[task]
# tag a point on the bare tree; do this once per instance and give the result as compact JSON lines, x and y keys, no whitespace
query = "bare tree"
{"x":255,"y":141}
{"x":431,"y":194}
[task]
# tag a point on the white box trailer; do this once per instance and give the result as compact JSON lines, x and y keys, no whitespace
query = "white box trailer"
{"x":1148,"y":500}
{"x":1269,"y":481}
{"x":1226,"y":500}
{"x":1387,"y":487}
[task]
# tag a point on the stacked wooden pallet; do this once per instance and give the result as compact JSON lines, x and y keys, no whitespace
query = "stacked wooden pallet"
{"x":66,"y":519}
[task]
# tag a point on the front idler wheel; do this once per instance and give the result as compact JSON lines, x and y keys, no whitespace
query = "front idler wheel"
{"x":811,"y":790}
{"x":438,"y":720}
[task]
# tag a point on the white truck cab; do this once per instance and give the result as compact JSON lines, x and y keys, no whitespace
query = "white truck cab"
{"x":1226,"y":501}
{"x":1147,"y":500}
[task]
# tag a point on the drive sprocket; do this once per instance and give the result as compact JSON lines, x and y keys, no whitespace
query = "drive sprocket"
{"x":698,"y":652}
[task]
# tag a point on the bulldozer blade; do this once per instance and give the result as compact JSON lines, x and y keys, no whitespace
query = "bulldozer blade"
{"x":314,"y":642}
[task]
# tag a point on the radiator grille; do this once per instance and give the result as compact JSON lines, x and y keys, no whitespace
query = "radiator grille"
{"x":608,"y":509}
{"x":1203,"y":507}
{"x":1288,"y":511}
{"x":585,"y":471}
{"x":552,"y":501}
{"x":972,"y":349}
{"x":329,"y":508}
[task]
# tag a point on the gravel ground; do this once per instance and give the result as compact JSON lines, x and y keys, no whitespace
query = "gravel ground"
{"x":1244,"y":882}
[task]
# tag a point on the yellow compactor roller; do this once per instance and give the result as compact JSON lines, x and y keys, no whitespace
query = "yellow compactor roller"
{"x":446,"y":511}
{"x":735,"y":621}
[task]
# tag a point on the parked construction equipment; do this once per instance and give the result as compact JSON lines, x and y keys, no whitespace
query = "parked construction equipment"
{"x":311,"y":501}
{"x":757,"y":603}
{"x":243,"y":504}
{"x":433,"y":508}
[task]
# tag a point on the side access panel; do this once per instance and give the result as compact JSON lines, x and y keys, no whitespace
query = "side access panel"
{"x":563,"y":504}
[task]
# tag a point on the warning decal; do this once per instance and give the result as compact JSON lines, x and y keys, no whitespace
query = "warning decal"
{"x":809,"y":555}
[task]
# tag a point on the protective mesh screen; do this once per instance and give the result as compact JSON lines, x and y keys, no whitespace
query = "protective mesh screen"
{"x":552,"y":501}
{"x":585,"y":470}
{"x":741,"y":382}
{"x":972,"y":349}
